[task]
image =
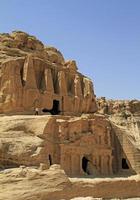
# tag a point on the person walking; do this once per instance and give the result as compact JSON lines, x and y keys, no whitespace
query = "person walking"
{"x":36,"y":111}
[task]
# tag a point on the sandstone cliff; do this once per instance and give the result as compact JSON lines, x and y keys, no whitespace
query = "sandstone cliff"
{"x":89,"y":138}
{"x":33,"y":75}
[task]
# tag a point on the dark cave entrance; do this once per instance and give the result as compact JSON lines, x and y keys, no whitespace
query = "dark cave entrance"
{"x":55,"y":109}
{"x":50,"y":159}
{"x":124,"y":164}
{"x":85,"y":165}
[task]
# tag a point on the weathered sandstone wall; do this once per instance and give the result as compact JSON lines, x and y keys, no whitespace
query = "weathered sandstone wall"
{"x":86,"y":145}
{"x":124,"y":116}
{"x":86,"y":137}
{"x":32,"y":75}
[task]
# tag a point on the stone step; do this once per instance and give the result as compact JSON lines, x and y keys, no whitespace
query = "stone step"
{"x":129,"y":146}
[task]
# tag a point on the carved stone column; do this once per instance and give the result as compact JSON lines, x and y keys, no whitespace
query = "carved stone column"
{"x":49,"y":81}
{"x":89,"y":95}
{"x":80,"y":165}
{"x":98,"y":161}
{"x":102,"y":140}
{"x":110,"y":165}
{"x":77,"y":86}
{"x":77,"y":104}
{"x":29,"y":74}
{"x":102,"y":164}
{"x":75,"y":164}
{"x":108,"y":136}
{"x":62,"y":83}
{"x":66,"y":163}
{"x":77,"y":93}
{"x":105,"y":164}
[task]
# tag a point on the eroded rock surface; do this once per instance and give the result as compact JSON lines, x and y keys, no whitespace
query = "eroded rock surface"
{"x":53,"y":184}
{"x":31,"y":183}
{"x":33,"y":75}
{"x":88,"y":145}
{"x":89,"y":138}
{"x":124,"y":115}
{"x":124,"y":108}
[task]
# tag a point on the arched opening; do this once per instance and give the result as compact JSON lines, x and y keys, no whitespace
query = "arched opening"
{"x":55,"y":109}
{"x":50,"y":159}
{"x":85,"y":165}
{"x":124,"y":164}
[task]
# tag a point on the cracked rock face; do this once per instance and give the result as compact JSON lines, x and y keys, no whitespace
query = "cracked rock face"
{"x":33,"y":75}
{"x":74,"y":135}
{"x":26,"y":183}
{"x":124,"y":108}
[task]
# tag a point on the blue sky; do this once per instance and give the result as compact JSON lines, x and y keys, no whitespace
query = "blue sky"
{"x":103,"y":36}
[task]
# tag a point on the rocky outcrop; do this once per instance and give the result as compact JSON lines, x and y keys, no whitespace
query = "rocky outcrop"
{"x":21,"y":142}
{"x":124,"y":108}
{"x":21,"y":40}
{"x":87,"y":138}
{"x":33,"y":75}
{"x":124,"y":116}
{"x":31,"y":183}
{"x":36,"y":184}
